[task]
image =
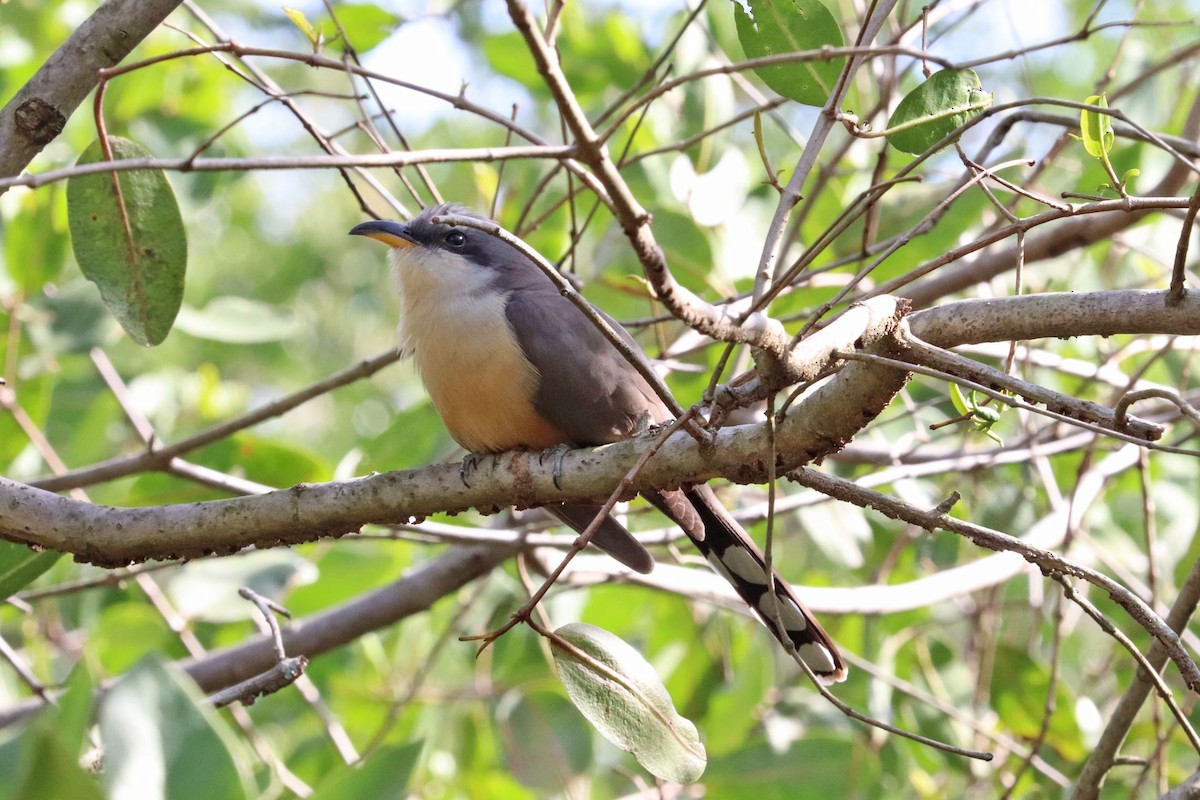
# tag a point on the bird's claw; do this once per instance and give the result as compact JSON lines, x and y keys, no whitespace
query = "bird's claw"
{"x":558,"y":451}
{"x":643,"y":424}
{"x":470,"y":463}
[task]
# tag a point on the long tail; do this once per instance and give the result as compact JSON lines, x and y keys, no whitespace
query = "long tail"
{"x":737,"y":558}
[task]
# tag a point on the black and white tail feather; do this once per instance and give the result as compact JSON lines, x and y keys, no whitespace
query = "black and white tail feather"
{"x":735,"y":556}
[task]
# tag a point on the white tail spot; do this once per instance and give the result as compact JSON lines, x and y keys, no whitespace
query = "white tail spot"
{"x":741,"y":563}
{"x":817,"y":656}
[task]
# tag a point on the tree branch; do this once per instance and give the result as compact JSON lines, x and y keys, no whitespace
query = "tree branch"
{"x":39,"y":111}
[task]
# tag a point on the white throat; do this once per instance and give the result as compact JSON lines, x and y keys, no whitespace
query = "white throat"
{"x":440,"y":292}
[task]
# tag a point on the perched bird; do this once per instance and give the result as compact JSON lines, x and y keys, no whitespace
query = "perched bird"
{"x":510,"y":363}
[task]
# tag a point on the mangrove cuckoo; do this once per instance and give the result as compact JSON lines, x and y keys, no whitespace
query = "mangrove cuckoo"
{"x":510,"y":363}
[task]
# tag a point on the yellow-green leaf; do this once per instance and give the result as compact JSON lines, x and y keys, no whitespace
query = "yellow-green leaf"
{"x":1096,"y":129}
{"x":20,"y":564}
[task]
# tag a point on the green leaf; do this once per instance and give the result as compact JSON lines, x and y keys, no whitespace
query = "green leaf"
{"x":775,"y":27}
{"x":947,"y":100}
{"x":383,"y":776}
{"x":162,"y":740}
{"x":127,"y":632}
{"x":1096,"y":129}
{"x":621,"y":695}
{"x":986,"y":414}
{"x":366,"y":25}
{"x":817,"y":765}
{"x":507,"y":54}
{"x":237,"y":320}
{"x":139,"y":269}
{"x":20,"y":564}
{"x":75,"y":708}
{"x":43,"y":761}
{"x":71,"y":319}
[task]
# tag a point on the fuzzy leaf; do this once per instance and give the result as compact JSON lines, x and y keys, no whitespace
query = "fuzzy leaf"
{"x":620,"y":694}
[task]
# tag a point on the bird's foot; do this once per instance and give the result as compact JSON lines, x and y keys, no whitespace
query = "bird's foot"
{"x":643,"y":424}
{"x":558,"y":451}
{"x":470,"y":463}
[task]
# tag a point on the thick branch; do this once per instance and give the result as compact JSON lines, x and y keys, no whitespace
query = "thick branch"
{"x":821,"y":424}
{"x":1056,"y":315}
{"x":117,"y":536}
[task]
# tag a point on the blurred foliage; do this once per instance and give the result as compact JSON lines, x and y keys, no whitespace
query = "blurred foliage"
{"x":277,"y":297}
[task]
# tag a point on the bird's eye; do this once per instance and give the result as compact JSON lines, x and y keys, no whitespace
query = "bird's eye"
{"x":456,"y":238}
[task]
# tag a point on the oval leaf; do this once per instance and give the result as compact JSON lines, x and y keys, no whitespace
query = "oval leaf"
{"x":130,"y":243}
{"x":775,"y":27}
{"x":943,"y":103}
{"x":620,"y":694}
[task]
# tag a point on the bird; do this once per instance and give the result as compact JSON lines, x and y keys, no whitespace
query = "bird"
{"x":510,"y":363}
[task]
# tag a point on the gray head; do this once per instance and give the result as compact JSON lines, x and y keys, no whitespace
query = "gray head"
{"x":432,"y":240}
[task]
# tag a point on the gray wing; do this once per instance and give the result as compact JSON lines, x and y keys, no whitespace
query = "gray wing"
{"x":587,"y":388}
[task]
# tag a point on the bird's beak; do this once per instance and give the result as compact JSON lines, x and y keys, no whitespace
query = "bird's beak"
{"x":393,"y":234}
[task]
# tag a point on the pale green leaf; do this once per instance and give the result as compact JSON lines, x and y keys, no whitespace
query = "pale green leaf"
{"x":621,"y":695}
{"x":237,"y":320}
{"x":208,"y":590}
{"x":382,"y":776}
{"x":52,"y":768}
